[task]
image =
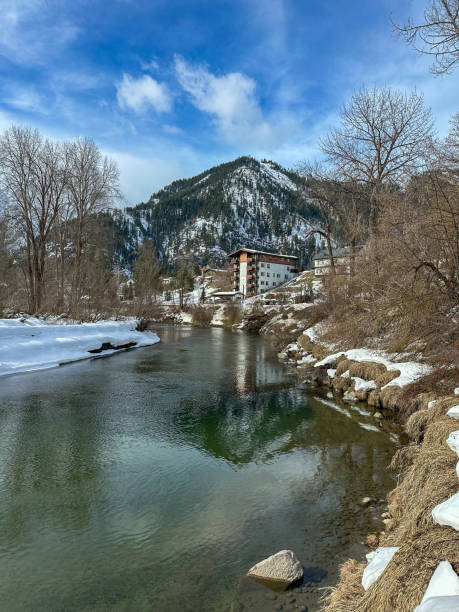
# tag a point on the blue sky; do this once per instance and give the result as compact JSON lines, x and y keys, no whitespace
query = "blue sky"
{"x":171,"y":87}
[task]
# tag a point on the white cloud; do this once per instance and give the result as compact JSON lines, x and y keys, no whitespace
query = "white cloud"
{"x":142,"y":93}
{"x":230,"y":99}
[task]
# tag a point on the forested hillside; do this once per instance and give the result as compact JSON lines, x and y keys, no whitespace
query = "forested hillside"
{"x":240,"y":203}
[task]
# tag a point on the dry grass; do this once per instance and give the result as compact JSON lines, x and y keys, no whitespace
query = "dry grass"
{"x":343,"y":365}
{"x":404,"y":458}
{"x":346,"y":595}
{"x":420,"y":420}
{"x":439,"y":430}
{"x":390,"y":397}
{"x":430,"y":480}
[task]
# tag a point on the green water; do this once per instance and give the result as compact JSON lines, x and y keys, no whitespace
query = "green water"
{"x":154,"y":479}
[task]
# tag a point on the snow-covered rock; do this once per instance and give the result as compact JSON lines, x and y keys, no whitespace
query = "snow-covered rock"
{"x":454,"y":412}
{"x":447,"y":513}
{"x":442,"y":591}
{"x":331,"y":372}
{"x":377,"y":563}
{"x":282,"y":567}
{"x":31,"y":344}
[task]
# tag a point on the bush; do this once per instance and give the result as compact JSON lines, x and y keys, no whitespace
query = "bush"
{"x":201,"y":316}
{"x":232,"y":315}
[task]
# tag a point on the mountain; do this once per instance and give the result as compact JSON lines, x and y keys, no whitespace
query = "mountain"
{"x":245,"y":202}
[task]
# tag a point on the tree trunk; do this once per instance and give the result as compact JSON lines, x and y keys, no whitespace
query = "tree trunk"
{"x":330,"y":254}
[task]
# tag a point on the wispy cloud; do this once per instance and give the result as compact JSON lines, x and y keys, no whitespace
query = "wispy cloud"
{"x":230,"y":100}
{"x":28,"y":35}
{"x":143,"y":93}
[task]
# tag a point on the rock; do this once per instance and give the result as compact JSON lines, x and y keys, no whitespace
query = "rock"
{"x":349,"y":396}
{"x":365,"y":501}
{"x":282,"y":567}
{"x":378,"y":415}
{"x":372,"y":540}
{"x":385,"y":515}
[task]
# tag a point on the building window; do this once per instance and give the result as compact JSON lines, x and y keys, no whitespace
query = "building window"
{"x":262,"y":273}
{"x":268,"y":265}
{"x":286,"y":276}
{"x":262,"y":265}
{"x":278,"y":276}
{"x":267,"y":274}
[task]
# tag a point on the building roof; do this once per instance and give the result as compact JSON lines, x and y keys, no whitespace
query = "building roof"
{"x":218,"y":293}
{"x":261,"y":253}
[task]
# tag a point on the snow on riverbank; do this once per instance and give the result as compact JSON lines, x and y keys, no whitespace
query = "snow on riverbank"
{"x":31,"y":344}
{"x":410,"y":371}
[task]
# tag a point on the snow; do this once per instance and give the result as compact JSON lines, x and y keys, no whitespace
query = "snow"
{"x":361,"y":384}
{"x":456,"y":391}
{"x":334,"y":406}
{"x":306,"y":359}
{"x":331,"y":372}
{"x":440,"y":604}
{"x":447,"y":513}
{"x":453,"y":441}
{"x":369,"y":427}
{"x":454,"y":412}
{"x":32,"y":344}
{"x":377,"y":563}
{"x":312,"y":332}
{"x":431,"y":403}
{"x":409,"y":370}
{"x":442,"y":590}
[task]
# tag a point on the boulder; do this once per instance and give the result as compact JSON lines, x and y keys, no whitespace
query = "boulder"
{"x":283,"y":567}
{"x":378,"y":415}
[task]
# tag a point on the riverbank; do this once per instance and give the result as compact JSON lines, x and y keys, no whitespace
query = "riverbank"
{"x":29,"y":344}
{"x":421,"y":526}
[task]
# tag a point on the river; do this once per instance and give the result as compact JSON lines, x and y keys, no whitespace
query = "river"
{"x":155,"y":478}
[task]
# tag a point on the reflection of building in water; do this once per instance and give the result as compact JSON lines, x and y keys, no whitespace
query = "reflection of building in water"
{"x":255,"y":369}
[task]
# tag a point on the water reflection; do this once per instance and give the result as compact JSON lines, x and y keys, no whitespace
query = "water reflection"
{"x":197,"y":453}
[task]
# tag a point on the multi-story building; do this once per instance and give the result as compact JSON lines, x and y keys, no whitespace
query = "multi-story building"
{"x":256,"y":271}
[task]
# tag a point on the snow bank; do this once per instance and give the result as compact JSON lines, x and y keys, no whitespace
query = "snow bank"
{"x":454,"y":412}
{"x":409,"y":370}
{"x":31,"y":344}
{"x":447,"y":513}
{"x":377,"y":563}
{"x":442,"y":592}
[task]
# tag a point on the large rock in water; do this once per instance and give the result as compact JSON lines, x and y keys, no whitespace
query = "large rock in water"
{"x":283,"y":567}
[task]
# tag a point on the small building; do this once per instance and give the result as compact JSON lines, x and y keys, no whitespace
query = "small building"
{"x":341,"y":257}
{"x":224,"y":296}
{"x":257,"y":271}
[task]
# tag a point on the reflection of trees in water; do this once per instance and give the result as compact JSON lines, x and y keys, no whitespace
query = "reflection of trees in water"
{"x":48,"y":467}
{"x":243,"y":429}
{"x":258,"y":426}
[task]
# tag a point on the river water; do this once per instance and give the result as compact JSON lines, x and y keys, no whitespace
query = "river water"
{"x":154,"y":479}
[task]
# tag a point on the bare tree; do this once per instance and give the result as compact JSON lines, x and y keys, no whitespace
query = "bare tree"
{"x":318,"y":190}
{"x":382,"y":139}
{"x":437,"y":36}
{"x":34,"y":175}
{"x":93,"y":185}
